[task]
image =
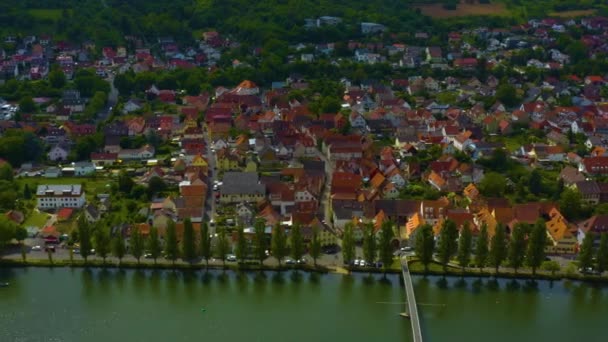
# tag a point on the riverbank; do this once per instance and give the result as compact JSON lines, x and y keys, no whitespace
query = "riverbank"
{"x":416,"y":268}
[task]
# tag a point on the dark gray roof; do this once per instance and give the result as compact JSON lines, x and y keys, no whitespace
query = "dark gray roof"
{"x":588,"y":187}
{"x":242,"y":183}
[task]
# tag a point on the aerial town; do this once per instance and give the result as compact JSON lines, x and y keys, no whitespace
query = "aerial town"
{"x":484,"y":127}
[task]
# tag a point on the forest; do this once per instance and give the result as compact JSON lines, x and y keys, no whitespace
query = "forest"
{"x":106,"y":22}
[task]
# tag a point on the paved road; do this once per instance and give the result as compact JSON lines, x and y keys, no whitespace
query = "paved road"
{"x":210,"y":210}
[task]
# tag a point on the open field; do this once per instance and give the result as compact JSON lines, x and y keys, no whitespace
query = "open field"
{"x":37,"y":219}
{"x":51,"y":14}
{"x":437,"y":10}
{"x":573,"y":14}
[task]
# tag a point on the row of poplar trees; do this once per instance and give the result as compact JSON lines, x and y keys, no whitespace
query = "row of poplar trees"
{"x":525,"y":246}
{"x":196,"y":245}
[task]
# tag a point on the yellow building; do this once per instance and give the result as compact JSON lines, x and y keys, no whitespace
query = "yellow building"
{"x":226,"y":161}
{"x":561,"y":239}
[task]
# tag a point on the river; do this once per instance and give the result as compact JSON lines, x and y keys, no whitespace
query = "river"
{"x":65,"y":304}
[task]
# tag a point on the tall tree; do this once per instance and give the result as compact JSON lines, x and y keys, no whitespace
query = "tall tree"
{"x":279,"y":243}
{"x":570,"y":204}
{"x":297,"y":242}
{"x":260,"y":241}
{"x":137,"y":244}
{"x":84,"y":235}
{"x":118,"y":247}
{"x":585,"y":255}
{"x":153,"y":244}
{"x":448,"y":246}
{"x":20,"y":235}
{"x":8,"y":230}
{"x":241,"y":244}
{"x":517,"y":246}
{"x":464,"y":245}
{"x":205,"y":243}
{"x":385,"y":249}
{"x":102,"y":243}
{"x":498,"y":247}
{"x":188,"y":243}
{"x":369,"y":244}
{"x":171,"y":247}
{"x":425,"y":245}
{"x":602,"y":253}
{"x":223,"y":247}
{"x":481,"y":248}
{"x":348,"y":244}
{"x":315,"y":245}
{"x":536,"y":245}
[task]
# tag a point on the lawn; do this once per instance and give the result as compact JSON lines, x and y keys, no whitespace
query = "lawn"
{"x":37,"y":219}
{"x":573,"y":13}
{"x":462,"y":10}
{"x":40,"y":13}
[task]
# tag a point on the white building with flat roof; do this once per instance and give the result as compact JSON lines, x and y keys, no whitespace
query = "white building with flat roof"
{"x":60,"y":196}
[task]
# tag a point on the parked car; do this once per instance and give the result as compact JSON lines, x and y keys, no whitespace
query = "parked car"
{"x":36,"y":248}
{"x":148,"y":256}
{"x":301,"y":261}
{"x":230,"y":257}
{"x":289,"y":261}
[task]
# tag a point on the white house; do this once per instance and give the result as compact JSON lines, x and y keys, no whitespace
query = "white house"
{"x":58,"y":153}
{"x":145,"y":152}
{"x":84,"y":168}
{"x":60,"y":196}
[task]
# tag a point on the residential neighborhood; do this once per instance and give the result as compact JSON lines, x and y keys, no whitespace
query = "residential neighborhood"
{"x":482,"y":129}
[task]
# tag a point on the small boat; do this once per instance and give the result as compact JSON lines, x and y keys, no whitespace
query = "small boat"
{"x":4,"y":284}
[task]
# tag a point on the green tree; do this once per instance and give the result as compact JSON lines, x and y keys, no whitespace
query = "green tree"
{"x":602,"y":253}
{"x":425,"y":245}
{"x":125,"y":182}
{"x":57,"y":78}
{"x":570,"y":204}
{"x":498,"y":247}
{"x":481,"y":248}
{"x":448,"y":245}
{"x":493,"y":184}
{"x":171,"y":245}
{"x":20,"y":235}
{"x":385,"y":248}
{"x":369,"y":244}
{"x":550,"y":266}
{"x":27,"y":105}
{"x":118,"y":247}
{"x":260,"y":241}
{"x":297,"y":242}
{"x":6,"y":173}
{"x":585,"y":255}
{"x":153,"y":244}
{"x":102,"y":243}
{"x":535,"y":183}
{"x":517,"y":246}
{"x":137,"y":244}
{"x":315,"y":245}
{"x":223,"y":247}
{"x":8,"y":231}
{"x":27,"y":193}
{"x":465,"y":245}
{"x":507,"y":94}
{"x":279,"y":243}
{"x":188,"y":243}
{"x":536,"y":245}
{"x":84,"y":235}
{"x":205,"y":244}
{"x":348,"y":244}
{"x":241,"y":244}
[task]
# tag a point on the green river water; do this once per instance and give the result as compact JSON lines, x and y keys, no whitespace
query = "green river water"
{"x":93,"y":305}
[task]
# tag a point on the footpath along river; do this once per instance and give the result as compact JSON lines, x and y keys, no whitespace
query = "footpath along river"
{"x":64,"y":304}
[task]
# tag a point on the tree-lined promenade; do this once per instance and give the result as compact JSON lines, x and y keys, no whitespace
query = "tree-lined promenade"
{"x":520,"y":253}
